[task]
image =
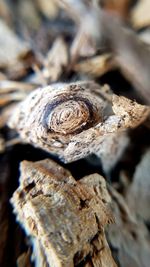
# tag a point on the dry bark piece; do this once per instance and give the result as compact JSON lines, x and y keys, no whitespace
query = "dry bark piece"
{"x":48,"y":8}
{"x":12,"y":48}
{"x":83,"y":41}
{"x":133,"y":113}
{"x":140,"y":15}
{"x":96,"y":66}
{"x":100,"y":257}
{"x":57,"y":213}
{"x":8,"y":98}
{"x":38,"y":255}
{"x":129,"y":237}
{"x":112,"y":149}
{"x":131,"y":54}
{"x":14,"y":91}
{"x":83,"y":47}
{"x":56,"y":60}
{"x":138,"y":197}
{"x":74,"y":120}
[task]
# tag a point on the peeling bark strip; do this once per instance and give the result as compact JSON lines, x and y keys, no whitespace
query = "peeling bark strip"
{"x":64,"y":218}
{"x":74,"y":120}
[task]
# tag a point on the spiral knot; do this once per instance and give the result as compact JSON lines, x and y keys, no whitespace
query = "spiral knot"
{"x":70,"y":114}
{"x":65,"y":119}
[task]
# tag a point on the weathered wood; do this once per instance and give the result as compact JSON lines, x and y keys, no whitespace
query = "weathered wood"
{"x":64,"y":218}
{"x":95,"y":66}
{"x":34,"y":52}
{"x":74,"y":120}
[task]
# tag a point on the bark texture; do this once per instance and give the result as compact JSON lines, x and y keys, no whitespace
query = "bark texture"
{"x":75,"y":120}
{"x":64,"y":218}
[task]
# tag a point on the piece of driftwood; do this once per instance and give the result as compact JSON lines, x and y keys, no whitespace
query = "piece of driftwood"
{"x":74,"y":120}
{"x":64,"y":218}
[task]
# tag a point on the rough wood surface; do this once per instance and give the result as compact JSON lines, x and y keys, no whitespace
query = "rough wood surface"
{"x":57,"y":213}
{"x":46,"y":41}
{"x":74,"y":120}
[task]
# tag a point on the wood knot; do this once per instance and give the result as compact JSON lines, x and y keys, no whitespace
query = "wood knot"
{"x":70,"y":114}
{"x":75,"y":120}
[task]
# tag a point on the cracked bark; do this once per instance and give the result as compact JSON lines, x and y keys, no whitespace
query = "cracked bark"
{"x":77,"y":119}
{"x":57,"y":212}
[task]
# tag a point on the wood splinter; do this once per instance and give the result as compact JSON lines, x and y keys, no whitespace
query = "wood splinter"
{"x":64,"y":218}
